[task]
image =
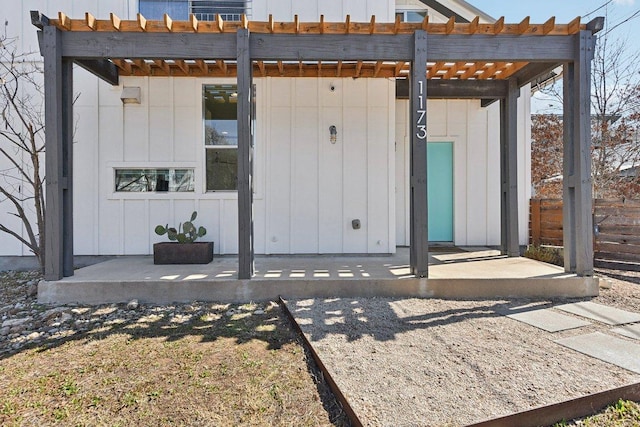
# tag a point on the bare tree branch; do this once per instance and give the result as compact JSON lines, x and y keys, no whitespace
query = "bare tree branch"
{"x":21,"y":145}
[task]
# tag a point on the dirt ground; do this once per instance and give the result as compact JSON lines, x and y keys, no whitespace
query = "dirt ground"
{"x":407,"y":362}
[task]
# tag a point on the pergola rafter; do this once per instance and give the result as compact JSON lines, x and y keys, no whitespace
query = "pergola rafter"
{"x":439,"y":60}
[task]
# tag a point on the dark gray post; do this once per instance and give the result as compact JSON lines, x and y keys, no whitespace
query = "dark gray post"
{"x":577,"y":197}
{"x":419,"y":238}
{"x":245,"y":164}
{"x":510,"y":244}
{"x":67,"y":166}
{"x":58,"y":96}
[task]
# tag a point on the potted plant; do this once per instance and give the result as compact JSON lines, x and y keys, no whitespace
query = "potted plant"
{"x":183,"y":248}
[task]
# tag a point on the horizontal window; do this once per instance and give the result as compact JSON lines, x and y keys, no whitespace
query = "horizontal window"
{"x":159,"y":180}
{"x":204,"y":10}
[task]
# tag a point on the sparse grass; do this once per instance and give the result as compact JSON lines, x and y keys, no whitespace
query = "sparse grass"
{"x":623,"y":413}
{"x":169,"y":369}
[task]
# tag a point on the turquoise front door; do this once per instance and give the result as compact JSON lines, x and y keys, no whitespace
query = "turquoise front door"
{"x":440,"y":188}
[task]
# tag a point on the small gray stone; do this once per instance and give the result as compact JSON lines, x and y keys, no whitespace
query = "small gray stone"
{"x":4,"y":331}
{"x":258,"y":311}
{"x":16,"y":322}
{"x":65,"y":317}
{"x":52,"y":313}
{"x":133,"y":304}
{"x":32,"y":291}
{"x":17,"y":329}
{"x":34,"y":336}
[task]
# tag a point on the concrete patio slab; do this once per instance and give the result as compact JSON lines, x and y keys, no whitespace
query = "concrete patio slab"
{"x":629,"y":331}
{"x":136,"y":277}
{"x":548,"y":320}
{"x":600,"y":313}
{"x":613,"y":350}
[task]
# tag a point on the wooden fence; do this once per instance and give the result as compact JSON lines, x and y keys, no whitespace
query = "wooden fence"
{"x":545,"y":222}
{"x":616,"y":226}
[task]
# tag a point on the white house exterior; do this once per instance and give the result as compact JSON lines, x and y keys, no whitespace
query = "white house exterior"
{"x":309,"y":184}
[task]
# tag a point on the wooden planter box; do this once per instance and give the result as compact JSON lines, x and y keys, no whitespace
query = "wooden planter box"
{"x":182,"y":253}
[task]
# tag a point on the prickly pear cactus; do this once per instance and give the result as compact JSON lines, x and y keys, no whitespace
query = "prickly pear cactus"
{"x":184,"y":233}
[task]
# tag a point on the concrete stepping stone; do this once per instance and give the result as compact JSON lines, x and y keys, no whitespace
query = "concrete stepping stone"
{"x":629,"y":331}
{"x":607,"y":348}
{"x":548,"y":320}
{"x":600,"y":313}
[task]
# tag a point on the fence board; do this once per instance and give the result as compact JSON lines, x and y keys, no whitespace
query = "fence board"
{"x":617,"y":202}
{"x":617,"y":220}
{"x":619,"y":238}
{"x":619,"y":229}
{"x":617,"y":256}
{"x":618,"y":248}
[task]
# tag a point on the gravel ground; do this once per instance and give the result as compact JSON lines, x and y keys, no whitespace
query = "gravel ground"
{"x":398,"y":361}
{"x":409,"y":362}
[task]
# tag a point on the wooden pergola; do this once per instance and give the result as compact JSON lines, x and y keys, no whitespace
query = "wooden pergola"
{"x":471,"y":60}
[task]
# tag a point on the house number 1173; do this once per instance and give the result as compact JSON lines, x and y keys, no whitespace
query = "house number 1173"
{"x":421,"y":113}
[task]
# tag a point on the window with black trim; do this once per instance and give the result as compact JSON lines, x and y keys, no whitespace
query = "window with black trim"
{"x":220,"y":123}
{"x":139,"y":180}
{"x":203,"y":10}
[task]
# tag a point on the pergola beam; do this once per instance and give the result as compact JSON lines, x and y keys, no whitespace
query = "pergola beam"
{"x":313,"y":47}
{"x":533,"y":71}
{"x":449,"y":48}
{"x":457,"y":89}
{"x":101,"y":68}
{"x":146,"y":45}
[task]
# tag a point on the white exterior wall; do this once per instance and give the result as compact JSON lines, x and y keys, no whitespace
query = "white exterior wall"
{"x":307,"y":190}
{"x":475,"y":133}
{"x":316,"y":188}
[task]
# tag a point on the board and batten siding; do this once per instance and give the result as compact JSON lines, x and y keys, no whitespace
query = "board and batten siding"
{"x":475,"y":134}
{"x":307,"y":190}
{"x":315,"y":188}
{"x":164,"y":131}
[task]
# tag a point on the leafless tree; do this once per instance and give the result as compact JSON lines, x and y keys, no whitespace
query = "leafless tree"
{"x":615,"y":123}
{"x":616,"y":119}
{"x":22,"y":145}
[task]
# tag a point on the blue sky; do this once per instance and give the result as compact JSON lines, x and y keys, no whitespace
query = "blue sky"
{"x":615,"y":12}
{"x":563,"y":10}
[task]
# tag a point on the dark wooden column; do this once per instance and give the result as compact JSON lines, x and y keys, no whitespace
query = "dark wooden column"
{"x":419,"y":239}
{"x":577,"y":191}
{"x":58,"y":97}
{"x":245,"y":161}
{"x":510,"y":244}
